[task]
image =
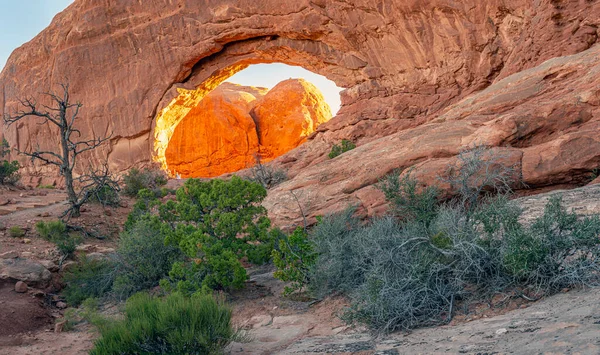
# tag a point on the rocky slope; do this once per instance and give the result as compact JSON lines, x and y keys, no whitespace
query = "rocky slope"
{"x":233,"y":125}
{"x":422,"y":80}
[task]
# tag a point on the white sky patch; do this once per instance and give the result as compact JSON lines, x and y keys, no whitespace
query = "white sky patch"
{"x":269,"y":75}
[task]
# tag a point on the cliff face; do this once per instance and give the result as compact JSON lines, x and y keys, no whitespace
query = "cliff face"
{"x":233,"y":125}
{"x":422,"y":80}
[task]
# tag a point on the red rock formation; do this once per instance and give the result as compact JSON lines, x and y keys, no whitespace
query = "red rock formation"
{"x":216,"y":137}
{"x":229,"y":128}
{"x":287,"y":115}
{"x":423,"y":79}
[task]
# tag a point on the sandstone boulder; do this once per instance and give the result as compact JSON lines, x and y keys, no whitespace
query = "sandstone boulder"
{"x":287,"y":115}
{"x":233,"y":125}
{"x":29,"y":271}
{"x":216,"y":137}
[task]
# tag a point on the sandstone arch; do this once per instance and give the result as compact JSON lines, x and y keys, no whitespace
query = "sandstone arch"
{"x":422,"y":79}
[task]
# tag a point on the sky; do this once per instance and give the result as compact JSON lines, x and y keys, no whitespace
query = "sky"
{"x":21,"y":20}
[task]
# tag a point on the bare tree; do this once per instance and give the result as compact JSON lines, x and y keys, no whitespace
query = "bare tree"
{"x":265,"y":175}
{"x":63,"y":114}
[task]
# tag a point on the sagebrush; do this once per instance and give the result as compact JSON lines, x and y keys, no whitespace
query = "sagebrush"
{"x":135,"y":180}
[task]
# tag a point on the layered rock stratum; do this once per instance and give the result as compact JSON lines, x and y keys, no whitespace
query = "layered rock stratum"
{"x":422,"y":79}
{"x":235,"y":125}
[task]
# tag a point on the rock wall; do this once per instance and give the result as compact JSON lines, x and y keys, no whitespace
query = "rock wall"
{"x":422,"y":80}
{"x":234,"y":125}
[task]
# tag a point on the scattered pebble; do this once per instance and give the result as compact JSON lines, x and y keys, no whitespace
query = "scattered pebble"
{"x":21,"y":287}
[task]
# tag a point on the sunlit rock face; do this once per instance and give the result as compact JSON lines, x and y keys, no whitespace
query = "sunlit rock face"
{"x":288,"y":114}
{"x":234,"y":124}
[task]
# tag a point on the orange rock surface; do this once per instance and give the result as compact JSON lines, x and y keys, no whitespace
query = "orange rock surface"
{"x":287,"y":115}
{"x":234,"y":124}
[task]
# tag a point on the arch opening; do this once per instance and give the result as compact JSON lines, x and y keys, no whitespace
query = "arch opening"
{"x":240,"y":114}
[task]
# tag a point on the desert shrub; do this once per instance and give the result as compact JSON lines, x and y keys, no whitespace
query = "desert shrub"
{"x":16,"y":232}
{"x":51,"y":230}
{"x":9,"y":172}
{"x":266,"y":175}
{"x":136,"y":180}
{"x":106,"y":195}
{"x":479,"y":172}
{"x":558,"y":250}
{"x":341,"y":148}
{"x":412,"y":268}
{"x":89,"y":279}
{"x":8,"y":169}
{"x":143,"y":257}
{"x":401,"y":274}
{"x":199,"y":324}
{"x":408,"y":200}
{"x":294,"y":259}
{"x":216,"y":223}
{"x":56,"y":232}
{"x":146,"y":200}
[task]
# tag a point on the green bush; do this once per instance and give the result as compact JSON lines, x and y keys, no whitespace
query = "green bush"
{"x":409,"y":201}
{"x":89,"y":279}
{"x":146,"y":200}
{"x":341,"y":148}
{"x":56,"y":232}
{"x":136,"y":180}
{"x":106,"y":195}
{"x":216,"y":223}
{"x":143,"y":257}
{"x":173,"y":325}
{"x":9,"y":172}
{"x":293,"y":260}
{"x":8,"y":169}
{"x":16,"y":232}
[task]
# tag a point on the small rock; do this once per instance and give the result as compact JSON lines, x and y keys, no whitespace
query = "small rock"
{"x":60,"y":326}
{"x":108,"y":213}
{"x":501,"y":331}
{"x":104,"y":250}
{"x":123,"y":204}
{"x":26,"y":241}
{"x":26,"y":255}
{"x":61,"y":305}
{"x":45,"y":214}
{"x":339,"y":329}
{"x":85,"y":248}
{"x":21,"y":287}
{"x":83,"y":209}
{"x":50,"y":265}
